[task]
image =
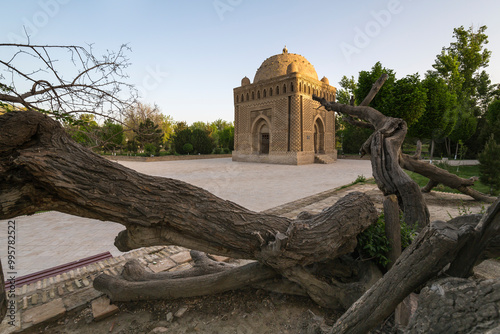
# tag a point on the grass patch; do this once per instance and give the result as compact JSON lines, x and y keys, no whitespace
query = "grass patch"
{"x":463,"y":171}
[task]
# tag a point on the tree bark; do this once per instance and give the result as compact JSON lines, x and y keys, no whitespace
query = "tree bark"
{"x":41,"y":168}
{"x":435,"y":247}
{"x":392,"y":228}
{"x":455,"y":305}
{"x":384,"y":147}
{"x":3,"y":295}
{"x":438,"y":175}
{"x":458,"y":243}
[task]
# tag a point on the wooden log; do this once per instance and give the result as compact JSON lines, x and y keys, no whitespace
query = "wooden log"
{"x":434,"y":248}
{"x":119,"y":289}
{"x":392,"y":228}
{"x":485,"y":238}
{"x":456,"y":305}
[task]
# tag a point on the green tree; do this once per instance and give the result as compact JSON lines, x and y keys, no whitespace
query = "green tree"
{"x":462,"y":66}
{"x":463,"y":60}
{"x":489,"y":165}
{"x":167,"y":127}
{"x":140,"y":113}
{"x":352,"y":137}
{"x":347,"y":88}
{"x":111,"y":135}
{"x":188,"y":148}
{"x":84,"y":131}
{"x":408,"y":99}
{"x":490,"y":124}
{"x":440,"y":113}
{"x":149,"y":133}
{"x":226,"y":138}
{"x":181,"y":138}
{"x":179,"y":126}
{"x":201,"y":141}
{"x":150,"y":149}
{"x":404,"y":98}
{"x":366,"y":79}
{"x":201,"y":126}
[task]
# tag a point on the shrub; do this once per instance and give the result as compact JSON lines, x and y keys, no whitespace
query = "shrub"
{"x":150,"y":149}
{"x":202,"y":143}
{"x":489,"y":165}
{"x":180,"y":139}
{"x":373,"y":243}
{"x":187,"y":147}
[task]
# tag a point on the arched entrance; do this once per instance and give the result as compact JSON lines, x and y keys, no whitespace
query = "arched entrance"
{"x":319,"y":136}
{"x":261,"y":137}
{"x":264,"y":139}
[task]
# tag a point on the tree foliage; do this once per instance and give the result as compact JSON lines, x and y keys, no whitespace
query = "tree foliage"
{"x":112,"y":135}
{"x":462,"y":66}
{"x":201,"y":141}
{"x":181,"y":138}
{"x":347,"y":89}
{"x":149,"y":133}
{"x":439,"y":116}
{"x":489,"y":166}
{"x":461,"y":63}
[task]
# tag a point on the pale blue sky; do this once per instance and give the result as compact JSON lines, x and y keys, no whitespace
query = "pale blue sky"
{"x":187,"y":56}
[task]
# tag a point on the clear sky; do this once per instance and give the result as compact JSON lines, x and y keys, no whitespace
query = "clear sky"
{"x":187,"y":56}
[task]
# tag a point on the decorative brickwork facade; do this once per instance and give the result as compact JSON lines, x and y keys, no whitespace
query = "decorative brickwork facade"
{"x":276,"y":120}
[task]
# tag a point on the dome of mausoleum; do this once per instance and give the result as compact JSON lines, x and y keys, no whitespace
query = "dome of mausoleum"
{"x":284,"y":63}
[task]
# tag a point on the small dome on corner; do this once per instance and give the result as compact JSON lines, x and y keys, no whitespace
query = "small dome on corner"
{"x":245,"y":81}
{"x":292,"y":68}
{"x":325,"y":80}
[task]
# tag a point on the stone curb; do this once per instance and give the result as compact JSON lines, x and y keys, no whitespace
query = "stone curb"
{"x":306,"y":201}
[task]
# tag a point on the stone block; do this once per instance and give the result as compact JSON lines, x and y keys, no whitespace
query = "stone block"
{"x":46,"y":312}
{"x":181,"y":257}
{"x":102,"y":308}
{"x":219,"y":258}
{"x":162,"y":265}
{"x":80,"y":298}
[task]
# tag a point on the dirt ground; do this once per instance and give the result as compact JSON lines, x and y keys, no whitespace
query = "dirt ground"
{"x":240,"y":312}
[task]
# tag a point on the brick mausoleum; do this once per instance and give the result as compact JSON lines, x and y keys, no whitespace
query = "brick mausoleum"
{"x":275,"y":118}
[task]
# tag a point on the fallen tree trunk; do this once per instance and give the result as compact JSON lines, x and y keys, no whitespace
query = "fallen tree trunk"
{"x":438,"y":175}
{"x":41,"y":168}
{"x":465,"y":306}
{"x":455,"y":243}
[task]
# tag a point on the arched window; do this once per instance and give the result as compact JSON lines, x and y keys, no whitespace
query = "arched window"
{"x":291,"y":86}
{"x":253,"y":95}
{"x":270,"y":91}
{"x":237,"y":99}
{"x":284,"y":89}
{"x":242,"y":98}
{"x":264,"y":93}
{"x":247,"y":97}
{"x":277,"y":90}
{"x":258,"y":94}
{"x":300,"y":86}
{"x":308,"y":89}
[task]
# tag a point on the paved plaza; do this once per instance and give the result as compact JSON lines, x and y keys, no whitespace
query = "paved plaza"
{"x":49,"y":239}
